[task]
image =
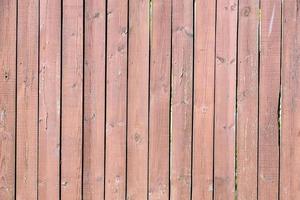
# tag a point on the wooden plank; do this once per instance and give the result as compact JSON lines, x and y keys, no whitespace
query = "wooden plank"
{"x":27,"y":100}
{"x":7,"y":97}
{"x":247,"y":99}
{"x":72,"y":96}
{"x":269,"y":91}
{"x":204,"y":76}
{"x":182,"y":99}
{"x":225,"y":89}
{"x":94,"y":100}
{"x":49,"y":99}
{"x":290,"y":121}
{"x":138,"y":88}
{"x":116,"y":119}
{"x":160,"y":74}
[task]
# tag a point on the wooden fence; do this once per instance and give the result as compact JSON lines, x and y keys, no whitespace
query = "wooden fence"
{"x":140,"y":99}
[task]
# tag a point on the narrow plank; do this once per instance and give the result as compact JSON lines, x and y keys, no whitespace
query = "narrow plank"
{"x":72,"y":96}
{"x":138,"y":87}
{"x":116,"y":119}
{"x":7,"y":97}
{"x":160,"y":74}
{"x":27,"y":100}
{"x":204,"y":76}
{"x":225,"y":89}
{"x":182,"y":99}
{"x":269,"y":91}
{"x":290,"y":121}
{"x":247,"y":99}
{"x":94,"y":100}
{"x":49,"y":99}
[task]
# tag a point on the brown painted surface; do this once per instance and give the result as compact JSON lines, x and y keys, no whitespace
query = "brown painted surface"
{"x":138,"y":94}
{"x":269,"y":90}
{"x":27,"y":100}
{"x":72,"y":99}
{"x":182,"y":99}
{"x":94,"y":100}
{"x":290,"y":121}
{"x":247,"y":99}
{"x":7,"y":97}
{"x":204,"y":76}
{"x":224,"y":174}
{"x":116,"y":118}
{"x":49,"y":100}
{"x":160,"y":73}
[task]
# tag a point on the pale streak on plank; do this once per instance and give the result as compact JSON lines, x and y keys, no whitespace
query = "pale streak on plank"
{"x":182,"y":99}
{"x":94,"y":100}
{"x":49,"y":99}
{"x":7,"y":97}
{"x":269,"y":89}
{"x":138,"y":87}
{"x":72,"y":86}
{"x":224,"y":175}
{"x":205,"y":12}
{"x":27,"y":100}
{"x":289,"y":148}
{"x":115,"y":176}
{"x":160,"y":100}
{"x":247,"y":100}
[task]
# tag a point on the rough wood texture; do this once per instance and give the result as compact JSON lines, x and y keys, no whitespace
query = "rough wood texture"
{"x":94,"y":100}
{"x":72,"y":99}
{"x":269,"y":94}
{"x":7,"y":97}
{"x":225,"y":90}
{"x":116,"y":119}
{"x":247,"y":99}
{"x":49,"y":100}
{"x":27,"y":100}
{"x":204,"y":77}
{"x":160,"y":100}
{"x":182,"y":99}
{"x":290,"y":121}
{"x":138,"y":90}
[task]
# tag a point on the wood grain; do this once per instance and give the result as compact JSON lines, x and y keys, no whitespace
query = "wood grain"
{"x":49,"y":99}
{"x":225,"y":89}
{"x":247,"y":99}
{"x":160,"y":73}
{"x":182,"y":99}
{"x":94,"y":100}
{"x":204,"y":77}
{"x":7,"y":97}
{"x":269,"y":91}
{"x":290,"y":121}
{"x":27,"y":100}
{"x":72,"y":100}
{"x":138,"y":88}
{"x":116,"y":119}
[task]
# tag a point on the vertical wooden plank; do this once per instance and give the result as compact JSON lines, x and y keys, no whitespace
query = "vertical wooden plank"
{"x":247,"y":99}
{"x":290,"y":121}
{"x":160,"y":69}
{"x":27,"y":99}
{"x":115,"y":177}
{"x":7,"y":97}
{"x":49,"y":99}
{"x":182,"y":99}
{"x":94,"y":100}
{"x":269,"y":91}
{"x":72,"y":75}
{"x":204,"y":76}
{"x":225,"y":90}
{"x":138,"y":87}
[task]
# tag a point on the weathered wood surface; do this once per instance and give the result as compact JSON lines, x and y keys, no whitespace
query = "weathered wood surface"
{"x":170,"y":99}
